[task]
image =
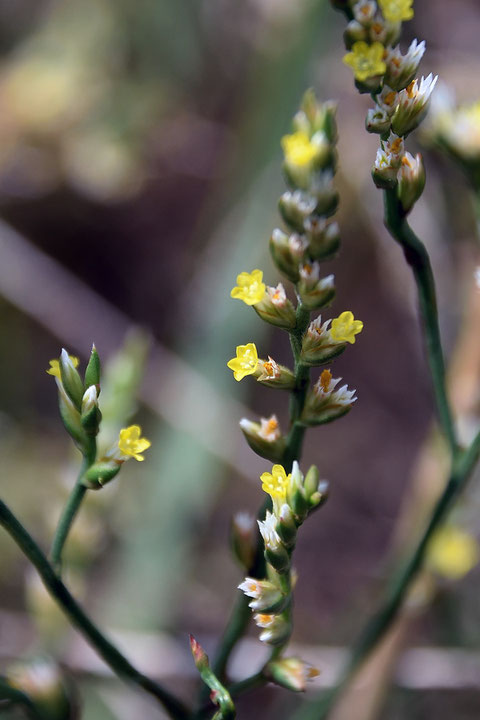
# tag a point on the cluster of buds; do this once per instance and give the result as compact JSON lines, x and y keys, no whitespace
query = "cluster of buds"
{"x":294,"y":496}
{"x":401,"y":99}
{"x":78,"y":403}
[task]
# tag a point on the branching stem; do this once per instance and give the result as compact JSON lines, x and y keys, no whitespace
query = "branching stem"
{"x":110,"y":654}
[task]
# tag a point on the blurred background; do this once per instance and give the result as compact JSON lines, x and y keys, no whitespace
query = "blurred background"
{"x":140,"y":167}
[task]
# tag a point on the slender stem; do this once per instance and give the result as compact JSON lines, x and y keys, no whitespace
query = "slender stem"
{"x":110,"y":654}
{"x":417,"y":257}
{"x":463,"y":462}
{"x":71,"y":508}
{"x":463,"y":466}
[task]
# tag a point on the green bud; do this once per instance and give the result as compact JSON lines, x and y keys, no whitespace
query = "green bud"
{"x":318,"y":347}
{"x":71,"y":380}
{"x":377,"y":121}
{"x":411,"y":181}
{"x":291,"y":673}
{"x":92,"y":372}
{"x":71,"y":418}
{"x":370,"y":85}
{"x":278,"y":559}
{"x":91,"y":414}
{"x":276,"y":309}
{"x":295,"y":207}
{"x":286,"y":526}
{"x":324,"y":192}
{"x":354,"y":32}
{"x":288,"y":252}
{"x":42,"y":681}
{"x":311,"y":481}
{"x":323,"y":239}
{"x":315,"y":293}
{"x":243,"y":539}
{"x":264,"y":438}
{"x":100,"y":473}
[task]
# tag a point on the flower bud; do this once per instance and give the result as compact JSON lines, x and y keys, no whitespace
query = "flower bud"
{"x":101,"y":473}
{"x":267,"y":597}
{"x":377,"y":121}
{"x":401,"y":69}
{"x":243,"y":539}
{"x":311,"y":481}
{"x":411,"y":181}
{"x":71,"y":380}
{"x":291,"y":673}
{"x":277,"y":628}
{"x":384,"y":174}
{"x":286,"y":526}
{"x":271,"y":374}
{"x":91,"y":415}
{"x":323,"y":239}
{"x":318,"y":345}
{"x":324,"y":403}
{"x":276,"y":309}
{"x":264,"y":437}
{"x":42,"y":681}
{"x":296,"y":494}
{"x":354,"y":32}
{"x":413,"y":105}
{"x":275,"y":552}
{"x":92,"y":371}
{"x":287,"y":252}
{"x":295,"y":207}
{"x":315,"y":293}
{"x":326,"y":195}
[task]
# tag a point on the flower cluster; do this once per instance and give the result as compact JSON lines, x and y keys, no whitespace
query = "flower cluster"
{"x":401,"y":99}
{"x":294,"y":496}
{"x":308,"y":238}
{"x":78,"y":401}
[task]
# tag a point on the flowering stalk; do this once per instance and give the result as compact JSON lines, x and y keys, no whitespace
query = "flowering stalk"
{"x":310,"y":237}
{"x":78,"y":402}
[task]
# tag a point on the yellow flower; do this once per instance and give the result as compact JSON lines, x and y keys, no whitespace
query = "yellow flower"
{"x":54,"y":368}
{"x":298,"y":149}
{"x":131,"y":444}
{"x":345,"y":327}
{"x":452,"y":552}
{"x":396,"y":10}
{"x":276,"y":482}
{"x":250,"y":287}
{"x":366,"y":60}
{"x":246,"y":361}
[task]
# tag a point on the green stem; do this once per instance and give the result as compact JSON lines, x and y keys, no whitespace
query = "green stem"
{"x":417,"y":257}
{"x":463,"y":466}
{"x":71,"y":508}
{"x":113,"y":657}
{"x":241,"y":613}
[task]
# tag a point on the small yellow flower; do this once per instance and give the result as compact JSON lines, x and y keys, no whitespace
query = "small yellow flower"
{"x":276,"y":482}
{"x":250,"y":287}
{"x":298,"y":149}
{"x":131,"y":444}
{"x":246,"y":361}
{"x":345,"y":327}
{"x":396,"y":10}
{"x":452,"y":552}
{"x":365,"y":60}
{"x":54,"y":368}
